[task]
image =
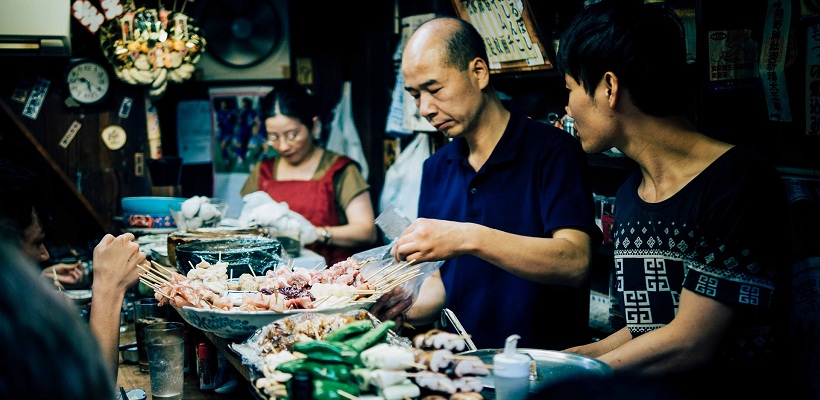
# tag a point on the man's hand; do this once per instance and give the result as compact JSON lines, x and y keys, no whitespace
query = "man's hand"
{"x":431,"y":240}
{"x":66,"y":274}
{"x":393,"y":306}
{"x":116,"y":260}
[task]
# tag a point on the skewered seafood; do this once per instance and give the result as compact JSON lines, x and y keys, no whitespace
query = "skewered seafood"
{"x":438,"y":339}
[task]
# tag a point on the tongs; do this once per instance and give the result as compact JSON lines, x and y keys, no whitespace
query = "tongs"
{"x":453,"y":320}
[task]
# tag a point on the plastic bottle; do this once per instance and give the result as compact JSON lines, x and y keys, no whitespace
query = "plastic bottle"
{"x":511,"y":372}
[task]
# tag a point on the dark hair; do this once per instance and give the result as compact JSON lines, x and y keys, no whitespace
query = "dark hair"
{"x":49,"y":352}
{"x":643,"y":44}
{"x":464,"y":45}
{"x":290,"y":100}
{"x":20,"y":194}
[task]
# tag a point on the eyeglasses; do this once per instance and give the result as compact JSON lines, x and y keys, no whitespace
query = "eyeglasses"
{"x":290,"y":138}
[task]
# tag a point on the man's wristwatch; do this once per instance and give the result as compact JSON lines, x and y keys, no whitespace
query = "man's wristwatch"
{"x":324,"y":235}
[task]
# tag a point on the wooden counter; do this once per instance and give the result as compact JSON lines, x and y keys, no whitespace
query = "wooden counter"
{"x":130,"y":377}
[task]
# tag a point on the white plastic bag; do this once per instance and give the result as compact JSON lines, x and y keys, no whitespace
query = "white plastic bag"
{"x":402,"y":182}
{"x":261,"y":210}
{"x":344,"y":137}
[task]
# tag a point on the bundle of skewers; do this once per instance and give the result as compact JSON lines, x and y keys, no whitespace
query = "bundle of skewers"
{"x":285,"y":288}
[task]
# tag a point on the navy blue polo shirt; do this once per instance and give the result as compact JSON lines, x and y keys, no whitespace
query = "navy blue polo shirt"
{"x":534,"y":182}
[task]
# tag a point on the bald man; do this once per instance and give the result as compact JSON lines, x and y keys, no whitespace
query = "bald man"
{"x":506,"y":203}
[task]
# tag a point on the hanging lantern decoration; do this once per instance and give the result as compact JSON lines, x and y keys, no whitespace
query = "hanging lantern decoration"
{"x":149,"y":47}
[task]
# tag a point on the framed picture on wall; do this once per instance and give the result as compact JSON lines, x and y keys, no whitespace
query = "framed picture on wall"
{"x":239,"y":139}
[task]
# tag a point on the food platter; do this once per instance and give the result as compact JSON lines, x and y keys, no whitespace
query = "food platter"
{"x":550,"y":367}
{"x":239,"y":325}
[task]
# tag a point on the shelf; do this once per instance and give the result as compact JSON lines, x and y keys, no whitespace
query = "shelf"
{"x":804,"y":174}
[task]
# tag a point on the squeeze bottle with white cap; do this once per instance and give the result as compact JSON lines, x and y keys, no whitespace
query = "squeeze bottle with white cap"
{"x":511,"y":372}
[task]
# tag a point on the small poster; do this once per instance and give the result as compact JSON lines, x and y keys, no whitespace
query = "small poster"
{"x":238,"y":139}
{"x":194,"y":132}
{"x":813,"y":80}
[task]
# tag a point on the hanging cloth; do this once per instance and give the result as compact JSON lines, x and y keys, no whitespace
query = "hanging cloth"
{"x":402,"y":182}
{"x":344,"y":137}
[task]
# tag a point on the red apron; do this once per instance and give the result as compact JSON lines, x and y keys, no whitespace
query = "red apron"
{"x":314,"y":199}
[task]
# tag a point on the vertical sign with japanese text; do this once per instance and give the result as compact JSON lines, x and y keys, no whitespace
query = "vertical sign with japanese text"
{"x":813,"y":79}
{"x":507,"y":33}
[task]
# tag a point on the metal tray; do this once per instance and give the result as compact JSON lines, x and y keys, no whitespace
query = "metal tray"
{"x":550,"y":366}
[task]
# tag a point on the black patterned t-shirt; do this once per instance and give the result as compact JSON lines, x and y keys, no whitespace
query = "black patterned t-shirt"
{"x":710,"y":239}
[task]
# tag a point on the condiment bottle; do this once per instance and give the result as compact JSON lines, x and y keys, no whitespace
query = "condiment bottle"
{"x":511,"y":373}
{"x":206,"y":366}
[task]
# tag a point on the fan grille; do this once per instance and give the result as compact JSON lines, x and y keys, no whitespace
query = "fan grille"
{"x":242,"y":33}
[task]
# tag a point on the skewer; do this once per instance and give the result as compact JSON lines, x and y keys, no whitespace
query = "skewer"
{"x":388,"y":276}
{"x":160,"y":267}
{"x":399,"y":282}
{"x":393,"y":272}
{"x":152,"y":273}
{"x":155,"y":287}
{"x":415,"y":365}
{"x":153,"y":278}
{"x":318,"y":302}
{"x":375,"y":273}
{"x":365,"y":261}
{"x":346,"y":394}
{"x":56,"y":281}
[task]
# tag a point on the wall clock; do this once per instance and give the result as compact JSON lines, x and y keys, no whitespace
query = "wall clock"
{"x":88,"y":82}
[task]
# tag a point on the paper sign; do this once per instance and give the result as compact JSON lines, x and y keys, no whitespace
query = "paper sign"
{"x":69,"y":135}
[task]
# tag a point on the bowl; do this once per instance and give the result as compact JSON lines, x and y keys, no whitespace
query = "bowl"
{"x":240,"y":325}
{"x":179,"y":237}
{"x":150,"y":205}
{"x":207,"y":214}
{"x":241,"y":253}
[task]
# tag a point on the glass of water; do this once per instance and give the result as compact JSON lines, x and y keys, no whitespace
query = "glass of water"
{"x":166,"y":359}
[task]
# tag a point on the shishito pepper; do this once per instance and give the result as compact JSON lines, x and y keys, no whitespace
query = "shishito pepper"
{"x":372,"y":336}
{"x":329,"y":390}
{"x":318,"y":369}
{"x":350,"y":330}
{"x":321,"y":350}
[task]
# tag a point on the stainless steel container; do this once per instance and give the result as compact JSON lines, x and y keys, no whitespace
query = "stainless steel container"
{"x":550,"y":367}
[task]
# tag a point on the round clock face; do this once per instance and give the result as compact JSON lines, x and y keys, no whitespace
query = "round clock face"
{"x":88,"y":82}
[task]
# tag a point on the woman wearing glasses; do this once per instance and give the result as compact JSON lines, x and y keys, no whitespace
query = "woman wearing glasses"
{"x":326,"y":188}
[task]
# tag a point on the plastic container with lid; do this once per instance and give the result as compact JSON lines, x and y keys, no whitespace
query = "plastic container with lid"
{"x":511,"y":373}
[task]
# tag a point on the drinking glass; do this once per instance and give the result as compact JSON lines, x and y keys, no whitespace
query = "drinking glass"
{"x":146,"y":311}
{"x":166,"y":359}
